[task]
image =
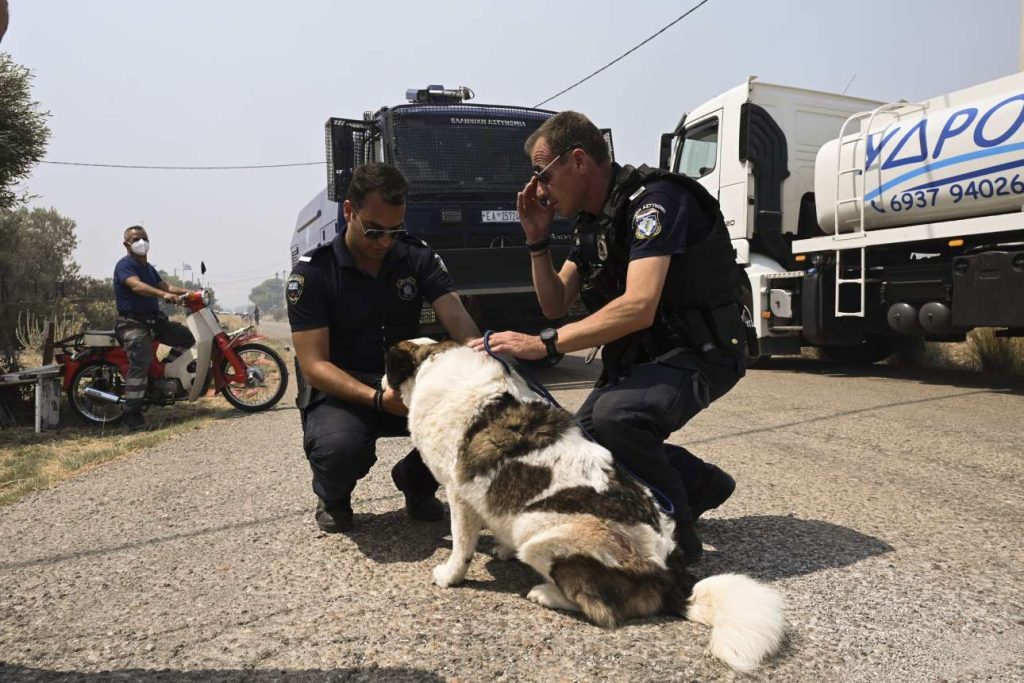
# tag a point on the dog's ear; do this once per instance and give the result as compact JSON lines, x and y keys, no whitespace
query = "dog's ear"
{"x":401,"y":363}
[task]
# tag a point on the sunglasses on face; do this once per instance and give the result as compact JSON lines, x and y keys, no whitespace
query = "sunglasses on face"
{"x":542,"y":175}
{"x":378,"y":233}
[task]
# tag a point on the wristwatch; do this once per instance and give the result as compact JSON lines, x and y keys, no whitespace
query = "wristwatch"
{"x":549,"y":336}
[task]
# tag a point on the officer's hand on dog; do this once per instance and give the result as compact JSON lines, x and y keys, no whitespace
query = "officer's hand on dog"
{"x":534,"y":215}
{"x":522,"y":346}
{"x":392,"y":403}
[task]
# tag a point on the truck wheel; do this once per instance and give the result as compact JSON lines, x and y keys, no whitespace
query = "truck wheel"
{"x":870,"y":350}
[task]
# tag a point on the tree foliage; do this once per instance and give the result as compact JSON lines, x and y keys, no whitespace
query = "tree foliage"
{"x":269,"y":296}
{"x":23,"y":130}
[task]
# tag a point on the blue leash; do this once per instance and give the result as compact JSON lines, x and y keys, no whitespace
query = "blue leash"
{"x":660,"y":498}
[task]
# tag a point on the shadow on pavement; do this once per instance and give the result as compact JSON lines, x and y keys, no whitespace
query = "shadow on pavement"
{"x":13,"y":672}
{"x":392,"y":537}
{"x":967,"y":379}
{"x":773,"y":547}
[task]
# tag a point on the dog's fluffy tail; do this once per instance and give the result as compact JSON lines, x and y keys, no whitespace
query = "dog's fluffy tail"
{"x":745,"y":616}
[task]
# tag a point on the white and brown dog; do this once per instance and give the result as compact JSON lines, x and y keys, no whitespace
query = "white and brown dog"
{"x":555,"y":500}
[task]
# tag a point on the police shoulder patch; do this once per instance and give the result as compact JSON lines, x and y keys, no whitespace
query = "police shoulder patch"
{"x":647,"y":222}
{"x":440,"y":262}
{"x":293,"y":290}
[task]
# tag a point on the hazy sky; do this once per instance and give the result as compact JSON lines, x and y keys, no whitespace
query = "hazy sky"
{"x":208,"y":82}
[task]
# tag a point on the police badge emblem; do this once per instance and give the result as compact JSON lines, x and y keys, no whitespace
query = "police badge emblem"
{"x":293,"y":290}
{"x":406,"y":288}
{"x":647,"y":223}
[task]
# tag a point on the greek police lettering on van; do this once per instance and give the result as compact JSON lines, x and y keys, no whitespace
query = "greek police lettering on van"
{"x":508,"y":123}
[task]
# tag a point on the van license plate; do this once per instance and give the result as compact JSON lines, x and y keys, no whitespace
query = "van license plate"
{"x":499,"y":216}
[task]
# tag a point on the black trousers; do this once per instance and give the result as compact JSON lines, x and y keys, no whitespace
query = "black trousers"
{"x":633,"y":416}
{"x":340,"y":440}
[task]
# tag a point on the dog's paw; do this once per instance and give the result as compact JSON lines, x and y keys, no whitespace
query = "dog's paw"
{"x":549,"y":595}
{"x":444,"y":576}
{"x":504,"y":552}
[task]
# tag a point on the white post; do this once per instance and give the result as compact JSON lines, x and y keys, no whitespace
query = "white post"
{"x":1020,"y":65}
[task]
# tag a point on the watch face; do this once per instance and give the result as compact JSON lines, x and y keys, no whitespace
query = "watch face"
{"x":547,"y":334}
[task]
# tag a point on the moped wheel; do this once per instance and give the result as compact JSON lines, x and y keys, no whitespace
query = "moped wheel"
{"x":102,"y":376}
{"x":266,"y":379}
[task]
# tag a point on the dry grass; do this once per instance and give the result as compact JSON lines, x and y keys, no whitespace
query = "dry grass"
{"x":31,"y":462}
{"x":982,"y":352}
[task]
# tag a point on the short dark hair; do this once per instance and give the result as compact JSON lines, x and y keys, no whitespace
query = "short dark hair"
{"x":377,"y":177}
{"x":130,"y":228}
{"x":570,"y":129}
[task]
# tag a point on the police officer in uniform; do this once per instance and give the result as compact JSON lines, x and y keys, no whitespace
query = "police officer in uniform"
{"x":348,"y":302}
{"x":654,"y":265}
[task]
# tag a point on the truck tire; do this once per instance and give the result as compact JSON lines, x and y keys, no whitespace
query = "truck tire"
{"x":871,"y":349}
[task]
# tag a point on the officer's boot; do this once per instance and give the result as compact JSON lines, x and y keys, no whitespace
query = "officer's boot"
{"x":420,"y":505}
{"x":333,"y":518}
{"x":716,"y":490}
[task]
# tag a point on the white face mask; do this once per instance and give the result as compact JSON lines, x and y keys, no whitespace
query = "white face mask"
{"x":140,"y":247}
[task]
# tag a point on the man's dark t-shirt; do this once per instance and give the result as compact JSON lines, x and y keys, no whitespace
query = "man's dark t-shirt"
{"x":127,"y":300}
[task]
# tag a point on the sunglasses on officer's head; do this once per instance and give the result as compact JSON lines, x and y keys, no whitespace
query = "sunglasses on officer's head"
{"x":542,"y":175}
{"x":378,"y":233}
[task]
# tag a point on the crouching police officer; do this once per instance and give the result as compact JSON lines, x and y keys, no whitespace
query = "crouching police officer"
{"x":348,"y":301}
{"x":655,"y":267}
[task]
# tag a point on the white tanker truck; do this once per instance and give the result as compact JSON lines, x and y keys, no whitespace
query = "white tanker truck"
{"x":862,"y":223}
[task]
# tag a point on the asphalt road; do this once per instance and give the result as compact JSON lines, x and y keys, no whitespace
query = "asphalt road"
{"x":885,"y":506}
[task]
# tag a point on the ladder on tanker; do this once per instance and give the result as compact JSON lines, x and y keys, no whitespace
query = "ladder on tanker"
{"x":856,"y":169}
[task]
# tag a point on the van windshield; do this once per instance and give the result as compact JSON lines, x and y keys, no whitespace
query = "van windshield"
{"x":462,"y":150}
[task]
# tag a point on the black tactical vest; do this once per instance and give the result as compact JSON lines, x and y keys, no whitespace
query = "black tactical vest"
{"x":702,"y":294}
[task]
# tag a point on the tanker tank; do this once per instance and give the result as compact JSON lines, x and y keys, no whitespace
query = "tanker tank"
{"x":952,"y":157}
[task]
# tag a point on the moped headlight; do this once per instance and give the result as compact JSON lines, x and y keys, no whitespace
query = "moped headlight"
{"x":206,"y":297}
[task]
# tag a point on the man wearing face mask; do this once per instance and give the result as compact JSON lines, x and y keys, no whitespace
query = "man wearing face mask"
{"x":138,"y":288}
{"x":655,"y":267}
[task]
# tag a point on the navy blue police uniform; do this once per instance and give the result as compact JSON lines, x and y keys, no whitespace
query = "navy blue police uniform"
{"x":655,"y":380}
{"x":364,"y":316}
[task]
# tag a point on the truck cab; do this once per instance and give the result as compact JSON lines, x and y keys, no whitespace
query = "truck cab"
{"x":465,"y":163}
{"x":753,"y":147}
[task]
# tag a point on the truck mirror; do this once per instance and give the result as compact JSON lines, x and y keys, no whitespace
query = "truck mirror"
{"x":666,"y":150}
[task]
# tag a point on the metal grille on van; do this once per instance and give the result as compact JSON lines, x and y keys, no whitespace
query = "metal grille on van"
{"x":462,"y":148}
{"x":451,"y":215}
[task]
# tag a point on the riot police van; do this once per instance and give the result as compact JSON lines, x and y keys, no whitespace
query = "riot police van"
{"x":465,"y":163}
